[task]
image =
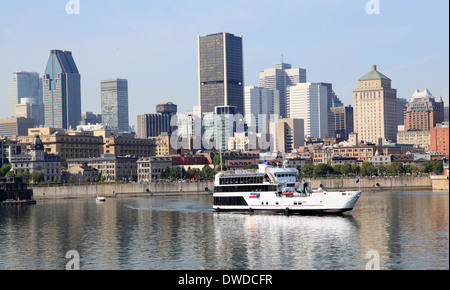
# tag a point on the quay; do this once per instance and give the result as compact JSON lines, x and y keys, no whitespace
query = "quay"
{"x":195,"y":188}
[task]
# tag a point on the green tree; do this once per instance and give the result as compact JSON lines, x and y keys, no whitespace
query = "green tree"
{"x":438,"y":167}
{"x":395,"y":168}
{"x":322,"y":170}
{"x":86,"y":180}
{"x":5,"y":169}
{"x":37,"y":176}
{"x":55,"y":180}
{"x":71,"y":179}
{"x":208,"y":172}
{"x":346,"y":169}
{"x":251,"y":166}
{"x":308,"y":170}
{"x":367,"y":169}
{"x":165,"y":174}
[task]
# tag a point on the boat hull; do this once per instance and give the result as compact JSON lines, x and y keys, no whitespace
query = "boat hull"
{"x":316,"y":202}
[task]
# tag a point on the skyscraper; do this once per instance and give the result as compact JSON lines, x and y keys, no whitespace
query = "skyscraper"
{"x":259,"y":106}
{"x":62,"y":91}
{"x":164,"y":121}
{"x":280,"y":77}
{"x":115,"y":103}
{"x":26,"y":85}
{"x":310,"y":102}
{"x":423,"y":111}
{"x":375,"y":107}
{"x":220,"y":72}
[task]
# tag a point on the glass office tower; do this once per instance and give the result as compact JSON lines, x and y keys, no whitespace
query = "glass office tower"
{"x":62,"y":91}
{"x":115,"y":103}
{"x":26,"y":85}
{"x":221,"y":72}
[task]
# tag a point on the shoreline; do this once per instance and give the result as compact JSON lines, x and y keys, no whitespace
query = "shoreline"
{"x":423,"y":183}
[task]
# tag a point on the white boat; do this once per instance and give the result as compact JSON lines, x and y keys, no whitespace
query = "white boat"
{"x":278,"y":190}
{"x":100,"y":198}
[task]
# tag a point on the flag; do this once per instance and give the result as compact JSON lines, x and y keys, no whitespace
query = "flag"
{"x":357,"y":180}
{"x":254,"y":195}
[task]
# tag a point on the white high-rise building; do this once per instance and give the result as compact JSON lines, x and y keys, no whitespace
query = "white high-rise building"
{"x":280,"y":77}
{"x":309,"y":101}
{"x":259,"y":105}
{"x":26,"y":85}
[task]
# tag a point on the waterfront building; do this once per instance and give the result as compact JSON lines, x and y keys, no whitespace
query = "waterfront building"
{"x":279,"y":78}
{"x":162,"y":145}
{"x":13,"y":127}
{"x":423,"y":112}
{"x":439,"y":139}
{"x":287,"y":135}
{"x":80,"y":173}
{"x":66,"y":144}
{"x":129,"y":146}
{"x":62,"y":91}
{"x":149,"y":168}
{"x":26,"y":85}
{"x":343,"y":120}
{"x":310,"y":102}
{"x":115,"y":103}
{"x":416,"y":137}
{"x":112,"y":167}
{"x":375,"y":107}
{"x":361,"y":152}
{"x":220,"y":72}
{"x":38,"y":161}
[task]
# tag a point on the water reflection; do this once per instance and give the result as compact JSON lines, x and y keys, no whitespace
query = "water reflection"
{"x":408,"y":230}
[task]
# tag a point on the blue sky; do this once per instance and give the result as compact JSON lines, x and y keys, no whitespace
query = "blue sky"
{"x":335,"y":40}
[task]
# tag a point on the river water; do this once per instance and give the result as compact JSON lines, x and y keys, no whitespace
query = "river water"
{"x":385,"y":230}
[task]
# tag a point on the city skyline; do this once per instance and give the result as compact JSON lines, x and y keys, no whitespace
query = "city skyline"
{"x":337,"y":49}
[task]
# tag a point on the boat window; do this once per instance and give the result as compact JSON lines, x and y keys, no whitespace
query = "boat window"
{"x":344,"y":193}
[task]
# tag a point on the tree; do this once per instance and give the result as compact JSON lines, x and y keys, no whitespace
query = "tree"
{"x":71,"y":179}
{"x":251,"y":166}
{"x":86,"y":179}
{"x":367,"y":169}
{"x":395,"y":168}
{"x":165,"y":174}
{"x":5,"y":169}
{"x":208,"y":172}
{"x":55,"y":180}
{"x":308,"y":170}
{"x":37,"y":176}
{"x":322,"y":170}
{"x":346,"y":168}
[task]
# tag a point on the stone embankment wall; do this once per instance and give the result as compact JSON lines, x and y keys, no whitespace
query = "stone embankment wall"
{"x":134,"y":189}
{"x":376,"y":183}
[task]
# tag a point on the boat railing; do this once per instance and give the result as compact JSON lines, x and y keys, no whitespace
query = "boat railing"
{"x":241,"y":171}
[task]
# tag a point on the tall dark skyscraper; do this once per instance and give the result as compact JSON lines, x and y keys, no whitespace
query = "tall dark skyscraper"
{"x":220,"y":72}
{"x":62,"y":91}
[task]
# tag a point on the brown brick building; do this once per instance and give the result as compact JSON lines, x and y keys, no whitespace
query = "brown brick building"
{"x":423,"y":112}
{"x":439,"y":139}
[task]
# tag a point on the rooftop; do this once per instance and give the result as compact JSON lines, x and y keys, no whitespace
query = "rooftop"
{"x":374,"y":75}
